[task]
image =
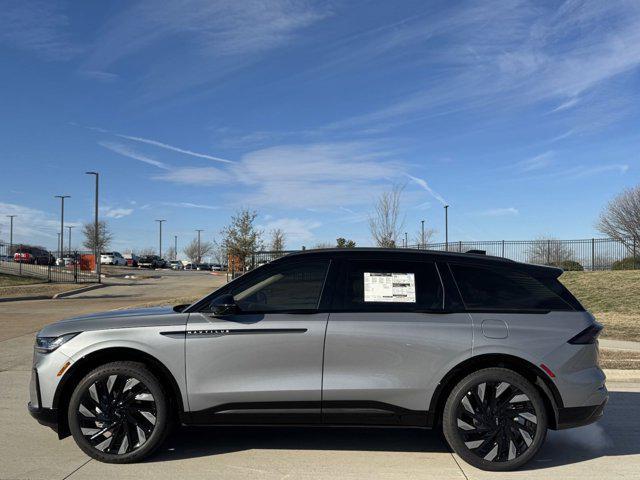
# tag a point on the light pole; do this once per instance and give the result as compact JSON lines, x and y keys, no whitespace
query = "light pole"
{"x":69,"y":227}
{"x":61,"y":244}
{"x":96,"y":227}
{"x":199,"y":231}
{"x":406,"y":240}
{"x":11,"y":217}
{"x":446,"y":227}
{"x":160,"y":237}
{"x":175,"y":247}
{"x":422,"y":234}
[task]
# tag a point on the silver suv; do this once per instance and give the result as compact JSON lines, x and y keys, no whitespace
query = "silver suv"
{"x":491,"y":351}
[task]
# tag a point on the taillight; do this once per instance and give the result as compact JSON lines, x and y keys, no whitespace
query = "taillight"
{"x":588,"y":335}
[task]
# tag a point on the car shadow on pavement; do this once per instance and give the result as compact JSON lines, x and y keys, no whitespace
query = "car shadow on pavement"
{"x":616,"y":434}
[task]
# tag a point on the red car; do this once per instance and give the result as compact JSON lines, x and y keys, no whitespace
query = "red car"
{"x":34,"y":255}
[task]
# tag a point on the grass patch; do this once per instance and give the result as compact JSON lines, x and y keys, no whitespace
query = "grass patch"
{"x":612,"y":296}
{"x":12,"y":280}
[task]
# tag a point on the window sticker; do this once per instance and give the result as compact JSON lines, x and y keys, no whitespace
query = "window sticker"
{"x":389,"y":287}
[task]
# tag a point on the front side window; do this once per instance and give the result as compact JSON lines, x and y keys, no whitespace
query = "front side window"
{"x":386,"y":285}
{"x":499,"y":288}
{"x":293,"y":287}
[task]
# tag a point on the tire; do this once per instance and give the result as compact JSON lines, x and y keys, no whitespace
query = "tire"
{"x":495,"y":419}
{"x":115,"y":405}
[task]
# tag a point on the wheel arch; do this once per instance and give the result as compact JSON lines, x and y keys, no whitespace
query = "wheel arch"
{"x":533,"y":373}
{"x":99,"y":357}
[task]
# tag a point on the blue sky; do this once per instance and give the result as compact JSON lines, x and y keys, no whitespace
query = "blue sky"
{"x":522,"y":115}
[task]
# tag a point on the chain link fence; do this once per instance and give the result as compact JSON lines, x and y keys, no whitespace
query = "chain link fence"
{"x":37,"y":262}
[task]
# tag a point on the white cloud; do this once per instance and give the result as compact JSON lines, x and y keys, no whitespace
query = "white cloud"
{"x":40,"y":27}
{"x":500,"y":212}
{"x":538,"y":162}
{"x":31,"y":225}
{"x":127,"y":152}
{"x":296,"y":230}
{"x":194,"y":176}
{"x":113,"y":212}
{"x":174,"y":149}
{"x":425,"y":186}
{"x":190,"y":205}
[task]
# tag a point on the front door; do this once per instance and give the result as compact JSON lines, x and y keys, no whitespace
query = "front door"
{"x":262,"y":364}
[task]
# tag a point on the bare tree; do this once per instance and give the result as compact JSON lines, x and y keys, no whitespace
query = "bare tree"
{"x":193,"y":254}
{"x":241,"y":237}
{"x":219,"y":253}
{"x":621,"y":217}
{"x":321,"y":245}
{"x":421,"y":240}
{"x":385,"y":223}
{"x":103,"y":239}
{"x":278,"y":240}
{"x":171,"y":253}
{"x":547,"y":250}
{"x":147,"y":251}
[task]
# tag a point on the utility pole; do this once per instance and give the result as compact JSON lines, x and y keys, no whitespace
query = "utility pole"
{"x":199,"y":231}
{"x":61,"y":244}
{"x":96,"y":226}
{"x":422,"y":234}
{"x":446,"y":227}
{"x":10,"y":252}
{"x":160,"y":237}
{"x":175,"y":247}
{"x":69,"y":227}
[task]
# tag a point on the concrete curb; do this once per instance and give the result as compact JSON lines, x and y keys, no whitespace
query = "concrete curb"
{"x":30,"y":297}
{"x":88,"y":288}
{"x":617,"y":375}
{"x":56,"y":296}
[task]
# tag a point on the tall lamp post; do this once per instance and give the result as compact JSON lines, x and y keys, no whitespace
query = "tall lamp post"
{"x":199,"y":231}
{"x":446,"y":227}
{"x":96,"y":226}
{"x":175,"y":247}
{"x":406,"y":240}
{"x":61,"y":245}
{"x":69,"y":227}
{"x":160,"y":237}
{"x":422,"y":234}
{"x":11,"y":217}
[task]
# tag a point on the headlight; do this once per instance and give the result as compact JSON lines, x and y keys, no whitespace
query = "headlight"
{"x":49,"y":344}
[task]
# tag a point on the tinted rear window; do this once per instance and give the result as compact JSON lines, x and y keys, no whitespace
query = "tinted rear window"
{"x":498,"y":288}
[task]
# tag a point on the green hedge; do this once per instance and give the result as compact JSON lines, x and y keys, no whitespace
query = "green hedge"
{"x":628,"y":263}
{"x":567,"y":265}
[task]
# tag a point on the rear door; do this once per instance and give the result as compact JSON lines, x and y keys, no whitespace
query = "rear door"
{"x":389,"y":341}
{"x":263,"y":364}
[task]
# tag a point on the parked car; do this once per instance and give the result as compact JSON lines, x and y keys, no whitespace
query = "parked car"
{"x":176,"y":265}
{"x":494,"y":351}
{"x":203,"y":266}
{"x":112,"y":258}
{"x":131,"y":258}
{"x":151,"y":261}
{"x":34,"y":255}
{"x":216,"y":267}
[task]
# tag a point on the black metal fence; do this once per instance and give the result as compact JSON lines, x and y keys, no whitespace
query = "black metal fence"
{"x":35,"y":262}
{"x":585,"y":254}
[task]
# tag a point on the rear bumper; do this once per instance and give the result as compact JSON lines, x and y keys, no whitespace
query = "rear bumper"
{"x":45,"y":416}
{"x":570,"y":417}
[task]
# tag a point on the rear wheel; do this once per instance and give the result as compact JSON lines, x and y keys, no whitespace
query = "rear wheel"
{"x":118,"y":413}
{"x":495,"y":419}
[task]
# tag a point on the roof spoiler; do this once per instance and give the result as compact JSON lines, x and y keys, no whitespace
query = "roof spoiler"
{"x":477,"y":252}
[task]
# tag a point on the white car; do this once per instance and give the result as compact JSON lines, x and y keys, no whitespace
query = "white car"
{"x":112,"y":258}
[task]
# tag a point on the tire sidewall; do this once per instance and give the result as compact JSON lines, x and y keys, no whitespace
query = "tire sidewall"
{"x":141,"y":374}
{"x":450,"y":426}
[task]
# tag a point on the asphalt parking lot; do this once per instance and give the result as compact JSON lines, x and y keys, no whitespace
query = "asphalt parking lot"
{"x":609,"y":448}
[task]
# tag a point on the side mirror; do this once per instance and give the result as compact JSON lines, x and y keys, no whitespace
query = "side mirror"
{"x":223,"y":305}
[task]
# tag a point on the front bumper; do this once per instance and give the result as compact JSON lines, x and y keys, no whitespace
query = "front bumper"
{"x":45,"y":416}
{"x":570,"y":417}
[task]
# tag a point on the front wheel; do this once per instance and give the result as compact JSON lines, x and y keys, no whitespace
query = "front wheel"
{"x":495,"y":419}
{"x":118,"y":413}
